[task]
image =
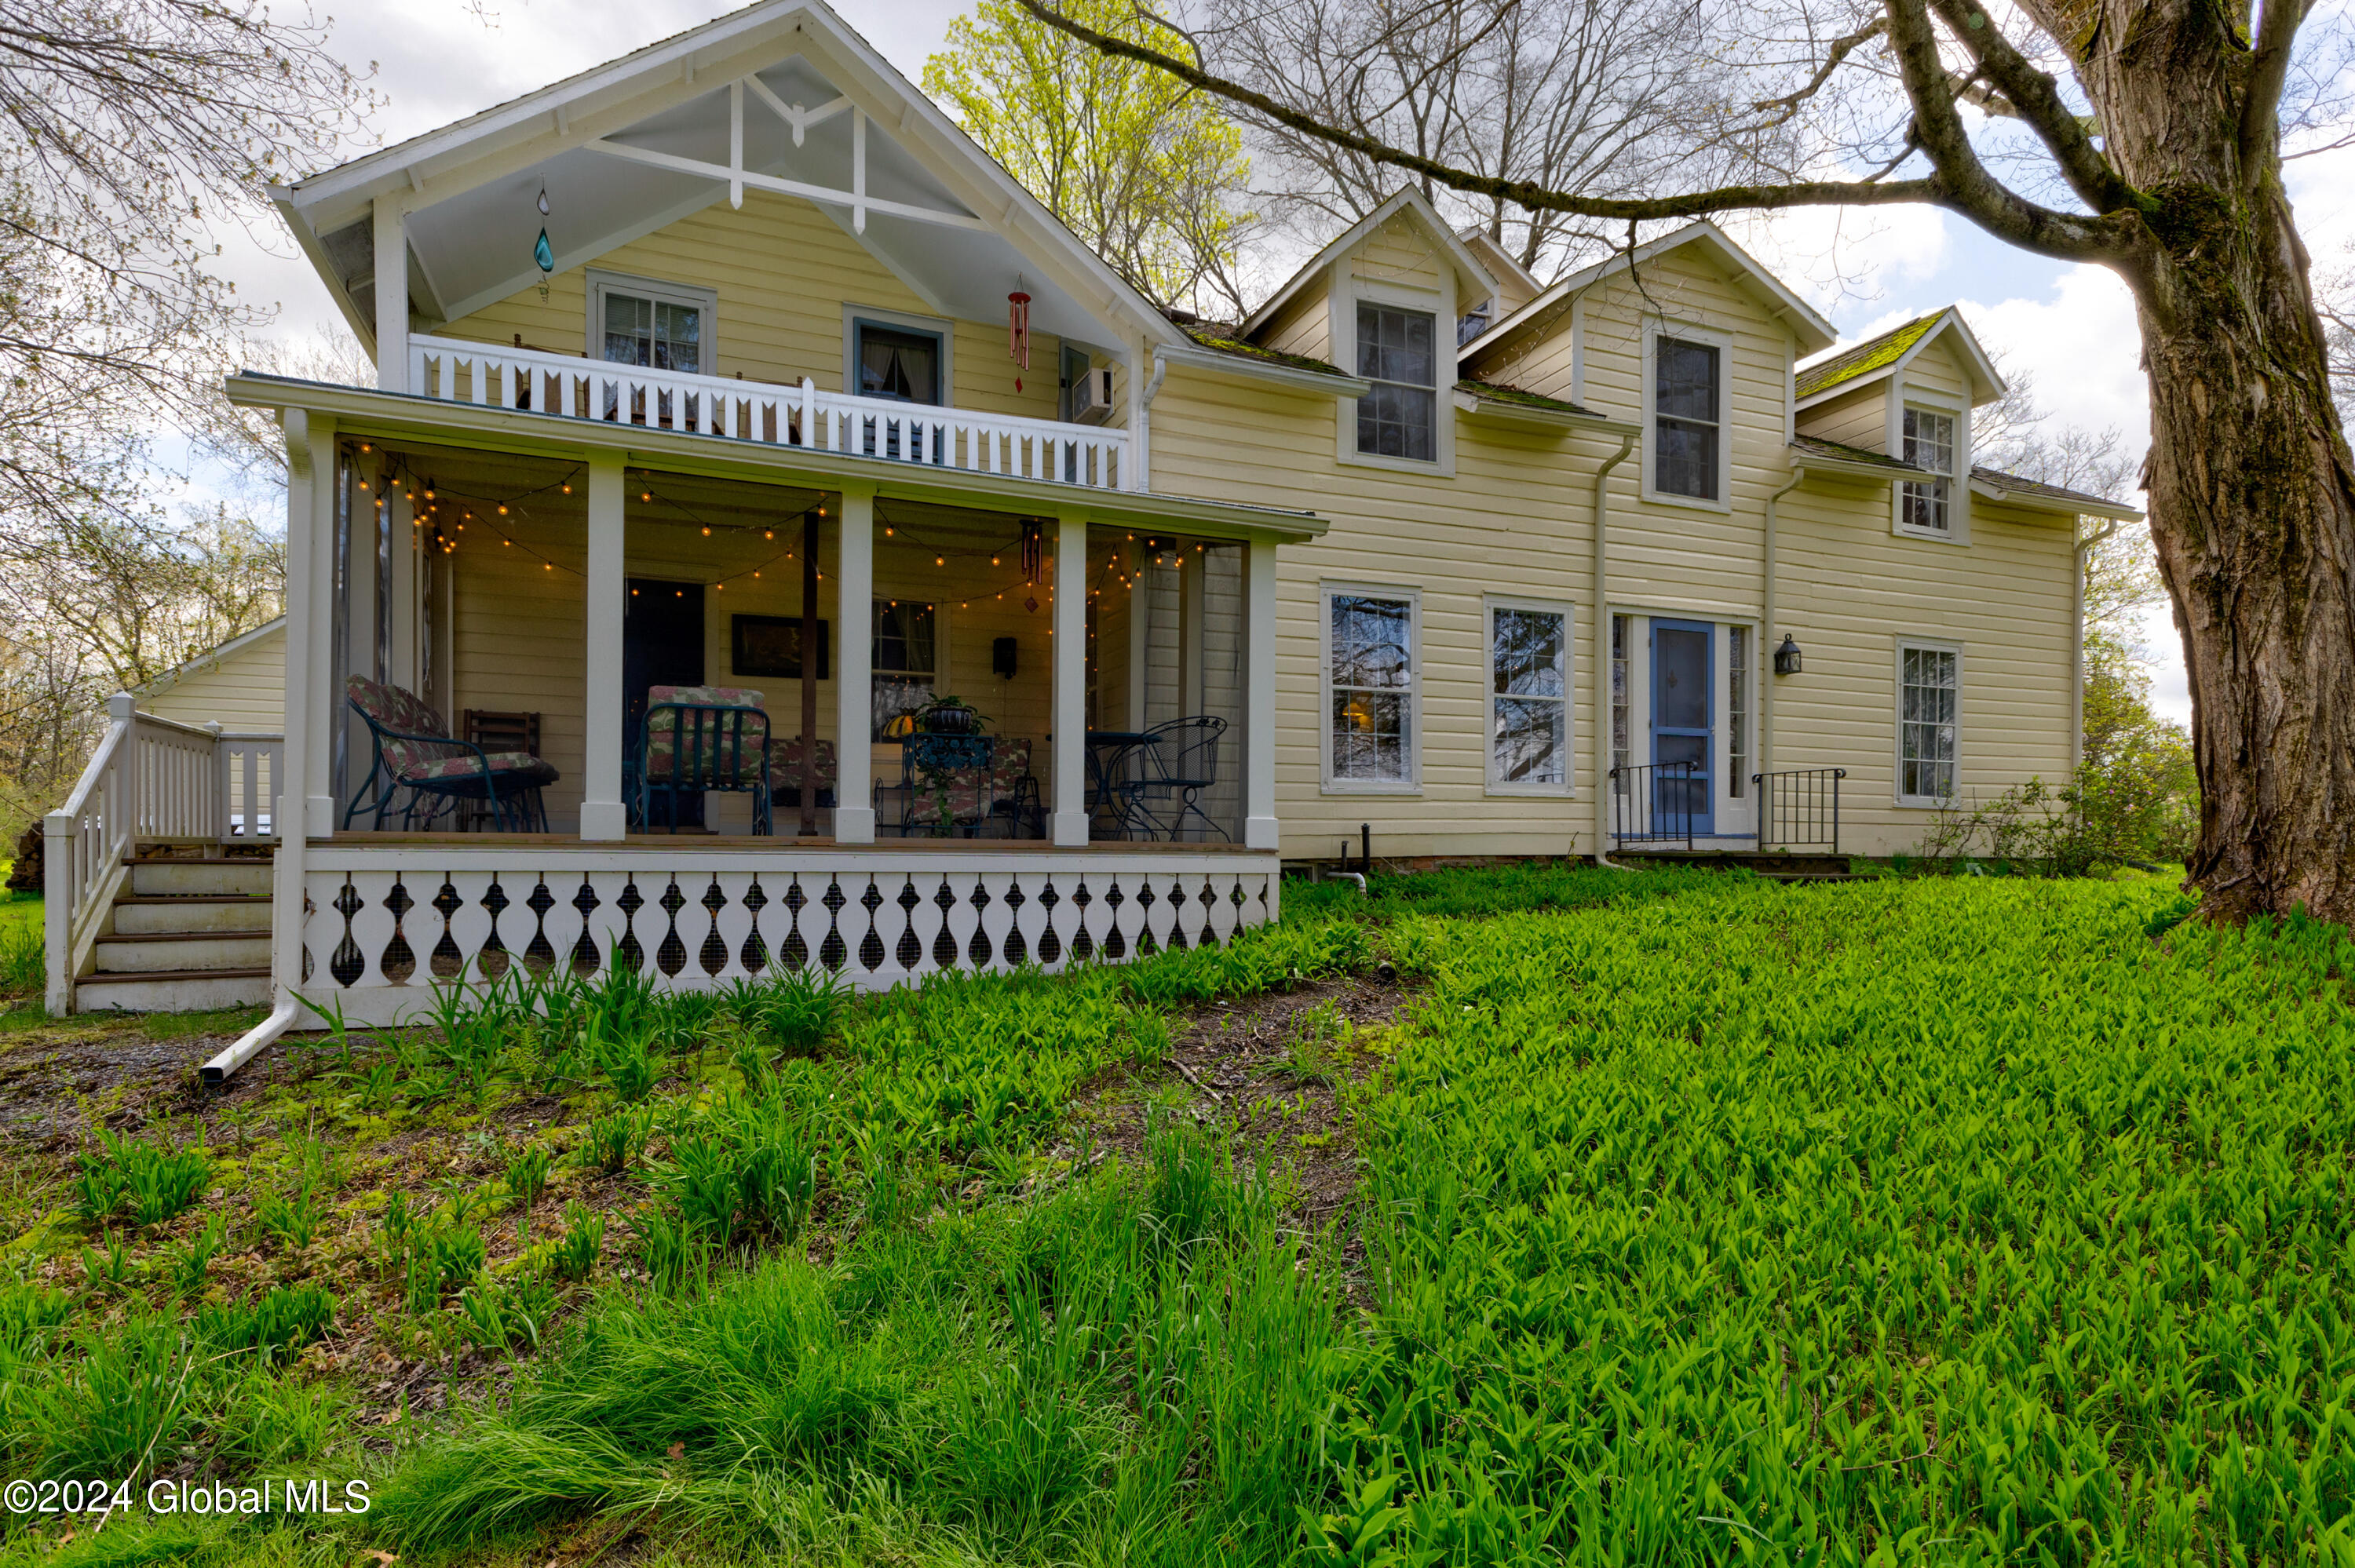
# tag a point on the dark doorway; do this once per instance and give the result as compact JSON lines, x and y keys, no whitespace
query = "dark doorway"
{"x":662,"y":645}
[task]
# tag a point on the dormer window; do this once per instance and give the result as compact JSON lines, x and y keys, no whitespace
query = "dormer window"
{"x":1922,"y":504}
{"x":1687,"y":418}
{"x":1398,"y":416}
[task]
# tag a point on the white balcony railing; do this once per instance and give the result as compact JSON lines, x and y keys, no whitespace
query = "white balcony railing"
{"x":493,"y":376}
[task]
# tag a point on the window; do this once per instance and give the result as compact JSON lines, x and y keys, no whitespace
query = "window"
{"x":1528,"y":697}
{"x":895,"y":363}
{"x":1929,"y":684}
{"x":1929,"y":443}
{"x":1621,"y":712}
{"x":657,"y":326}
{"x":905,"y":669}
{"x":1686,"y":433}
{"x":1370,"y":684}
{"x":1737,"y":711}
{"x":1398,"y":418}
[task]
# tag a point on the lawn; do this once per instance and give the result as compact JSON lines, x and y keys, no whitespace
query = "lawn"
{"x":1536,"y":1217}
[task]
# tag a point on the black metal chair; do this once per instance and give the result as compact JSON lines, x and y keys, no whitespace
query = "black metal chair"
{"x":697,"y":740}
{"x":1179,"y":763}
{"x":945,"y":785}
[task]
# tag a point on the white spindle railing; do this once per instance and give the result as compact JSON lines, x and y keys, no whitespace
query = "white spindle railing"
{"x":490,"y":375}
{"x":151,"y":778}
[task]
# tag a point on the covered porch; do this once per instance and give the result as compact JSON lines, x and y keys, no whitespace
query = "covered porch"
{"x":1038,"y":726}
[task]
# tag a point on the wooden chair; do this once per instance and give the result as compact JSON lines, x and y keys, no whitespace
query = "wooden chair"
{"x":494,"y":731}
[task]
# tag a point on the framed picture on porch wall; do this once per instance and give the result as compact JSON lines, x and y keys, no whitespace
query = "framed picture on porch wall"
{"x":771,"y":645}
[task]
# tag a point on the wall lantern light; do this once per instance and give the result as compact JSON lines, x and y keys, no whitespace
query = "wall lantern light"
{"x":1786,"y":657}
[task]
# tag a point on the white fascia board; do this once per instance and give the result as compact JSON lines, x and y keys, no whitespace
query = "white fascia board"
{"x":1496,"y":410}
{"x":2059,"y":505}
{"x":1194,"y":356}
{"x":1815,"y":462}
{"x":212,"y":658}
{"x":1992,"y":383}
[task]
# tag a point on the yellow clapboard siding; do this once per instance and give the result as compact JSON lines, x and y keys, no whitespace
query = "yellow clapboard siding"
{"x":242,"y":691}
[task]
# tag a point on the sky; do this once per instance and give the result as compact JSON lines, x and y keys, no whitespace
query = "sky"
{"x":2070,"y":327}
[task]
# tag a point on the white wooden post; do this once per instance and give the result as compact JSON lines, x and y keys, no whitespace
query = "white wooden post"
{"x":406,"y":666}
{"x":310,"y":467}
{"x":362,"y":607}
{"x":391,"y":295}
{"x":603,"y":814}
{"x":1140,"y":644}
{"x":313,"y":683}
{"x":1259,"y":695}
{"x":1192,"y":574}
{"x":854,"y":670}
{"x":1070,"y":660}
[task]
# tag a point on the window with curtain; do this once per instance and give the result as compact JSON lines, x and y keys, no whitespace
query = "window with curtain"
{"x":1929,"y":684}
{"x":660,"y":334}
{"x":1398,"y":416}
{"x":899,"y":364}
{"x":905,"y":662}
{"x":1686,"y":418}
{"x":1371,"y":682}
{"x":1528,"y":697}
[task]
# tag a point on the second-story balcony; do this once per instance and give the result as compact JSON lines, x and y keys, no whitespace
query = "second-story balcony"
{"x":798,"y":414}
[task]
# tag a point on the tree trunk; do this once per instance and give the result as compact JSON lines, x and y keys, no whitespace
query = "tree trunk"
{"x":2253,"y":506}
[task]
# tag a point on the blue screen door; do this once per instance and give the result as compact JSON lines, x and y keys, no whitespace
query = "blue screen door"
{"x":1680,"y":724}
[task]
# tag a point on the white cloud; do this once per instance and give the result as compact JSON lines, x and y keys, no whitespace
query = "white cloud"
{"x":1834,"y":254}
{"x":2083,"y":346}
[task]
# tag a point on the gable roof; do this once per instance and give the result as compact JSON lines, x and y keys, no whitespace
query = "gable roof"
{"x":1503,"y":266}
{"x":631,"y":146}
{"x":1806,"y":323}
{"x":1891,"y":352}
{"x":1467,"y":266}
{"x":212,"y":659}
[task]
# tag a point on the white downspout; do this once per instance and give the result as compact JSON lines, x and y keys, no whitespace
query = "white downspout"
{"x":1765,"y":654}
{"x":1603,"y":651}
{"x":1140,"y":439}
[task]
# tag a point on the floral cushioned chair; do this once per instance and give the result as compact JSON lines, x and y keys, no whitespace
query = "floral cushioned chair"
{"x":414,"y":751}
{"x":785,"y":772}
{"x":700,"y":738}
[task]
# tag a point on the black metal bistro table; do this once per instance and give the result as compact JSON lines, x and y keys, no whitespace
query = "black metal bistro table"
{"x":1111,"y":791}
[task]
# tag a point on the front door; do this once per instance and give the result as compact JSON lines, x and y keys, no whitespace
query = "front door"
{"x":662,"y":645}
{"x":1681,"y":709}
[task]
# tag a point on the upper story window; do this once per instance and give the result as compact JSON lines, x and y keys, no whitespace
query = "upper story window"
{"x":1399,"y":417}
{"x":895,"y":362}
{"x":1688,"y":407}
{"x":1923,"y":504}
{"x":656,"y":333}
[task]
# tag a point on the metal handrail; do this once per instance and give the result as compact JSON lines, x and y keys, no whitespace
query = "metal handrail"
{"x":1799,"y":806}
{"x":1652,"y":803}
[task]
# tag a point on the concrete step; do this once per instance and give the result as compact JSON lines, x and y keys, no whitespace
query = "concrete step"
{"x":165,"y":992}
{"x":146,"y":916}
{"x":199,"y":878}
{"x":182,"y":951}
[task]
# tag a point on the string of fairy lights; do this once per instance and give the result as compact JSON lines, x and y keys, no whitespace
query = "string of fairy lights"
{"x":442,"y":514}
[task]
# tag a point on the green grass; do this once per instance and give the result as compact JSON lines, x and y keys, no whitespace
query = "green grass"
{"x":1704,"y":1220}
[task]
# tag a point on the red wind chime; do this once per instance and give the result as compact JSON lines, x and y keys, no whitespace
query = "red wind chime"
{"x":1017,"y":328}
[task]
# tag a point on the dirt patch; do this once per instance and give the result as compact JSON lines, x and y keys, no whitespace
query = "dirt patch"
{"x":1272,"y":1071}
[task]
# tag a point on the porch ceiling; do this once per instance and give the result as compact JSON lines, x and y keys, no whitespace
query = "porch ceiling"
{"x":409,"y":423}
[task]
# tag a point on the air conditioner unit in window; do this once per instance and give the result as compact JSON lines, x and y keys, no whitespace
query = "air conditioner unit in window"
{"x":1091,"y":396}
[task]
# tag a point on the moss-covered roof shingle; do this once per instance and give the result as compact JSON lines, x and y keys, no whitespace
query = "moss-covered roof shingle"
{"x":1496,"y":392}
{"x":1213,"y":339}
{"x":1873,"y":354}
{"x":1840,"y":451}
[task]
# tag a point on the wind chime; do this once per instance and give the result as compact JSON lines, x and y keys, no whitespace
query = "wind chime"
{"x":1017,"y":328}
{"x":541,"y":251}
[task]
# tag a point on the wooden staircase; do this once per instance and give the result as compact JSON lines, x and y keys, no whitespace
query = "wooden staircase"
{"x":184,"y":935}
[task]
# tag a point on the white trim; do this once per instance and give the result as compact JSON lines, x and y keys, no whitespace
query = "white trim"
{"x":1242,"y":368}
{"x":1490,"y":605}
{"x":938,"y":327}
{"x":1899,"y":643}
{"x":1975,"y":363}
{"x":601,"y":283}
{"x":1929,"y":401}
{"x":207,"y":662}
{"x":1327,"y":782}
{"x":1465,"y":264}
{"x":1349,"y":292}
{"x":1684,"y":332}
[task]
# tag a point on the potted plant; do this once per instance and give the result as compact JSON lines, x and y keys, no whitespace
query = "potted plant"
{"x":950,"y":716}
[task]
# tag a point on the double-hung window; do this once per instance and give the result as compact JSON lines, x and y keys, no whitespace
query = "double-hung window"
{"x":1687,"y":418}
{"x":1929,"y":695}
{"x":1528,"y":697}
{"x":1922,"y":504}
{"x":655,"y":326}
{"x":1398,"y":416}
{"x":906,"y":667}
{"x":1369,"y":688}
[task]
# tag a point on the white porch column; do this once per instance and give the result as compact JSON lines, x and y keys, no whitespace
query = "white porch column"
{"x":603,"y":815}
{"x":1070,"y":660}
{"x":314,"y":707}
{"x":310,"y":469}
{"x":854,"y":670}
{"x":1193,"y":572}
{"x":364,"y":524}
{"x":1259,"y":695}
{"x":391,"y":295}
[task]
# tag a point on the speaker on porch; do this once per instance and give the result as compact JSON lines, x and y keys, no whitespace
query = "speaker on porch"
{"x":1001,"y":658}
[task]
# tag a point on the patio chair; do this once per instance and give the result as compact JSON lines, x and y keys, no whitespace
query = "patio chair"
{"x":945,"y":784}
{"x":1014,"y":793}
{"x":1181,"y":762}
{"x":785,"y":773}
{"x":699,"y":739}
{"x":414,"y":751}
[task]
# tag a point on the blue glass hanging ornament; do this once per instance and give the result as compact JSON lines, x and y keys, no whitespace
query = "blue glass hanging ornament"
{"x":541,"y":251}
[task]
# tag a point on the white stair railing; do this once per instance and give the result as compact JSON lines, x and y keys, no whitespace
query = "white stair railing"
{"x":151,"y":778}
{"x":960,"y":439}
